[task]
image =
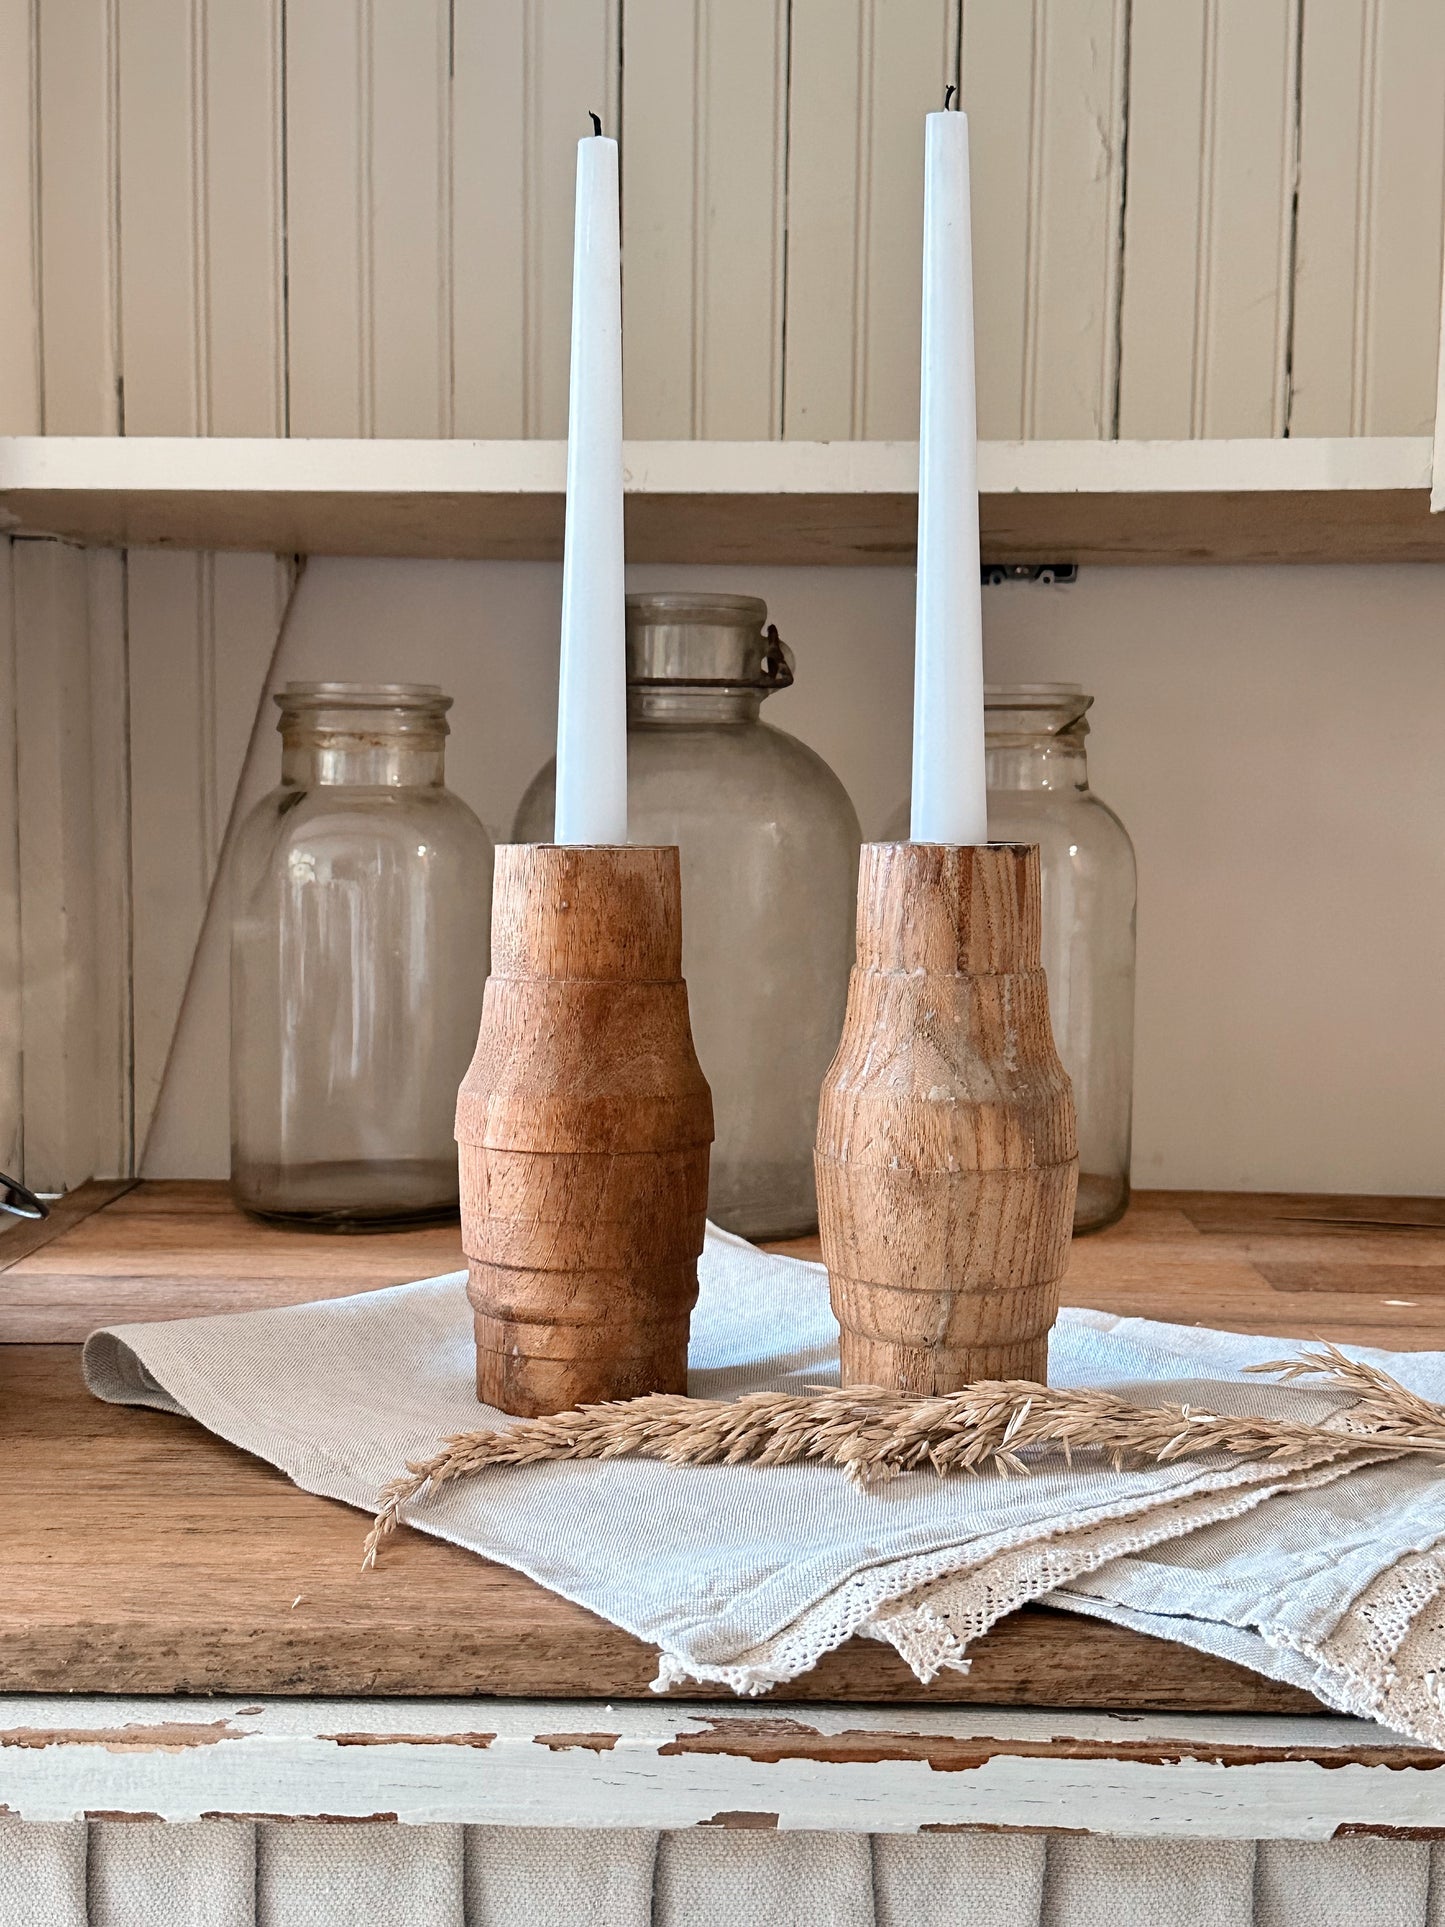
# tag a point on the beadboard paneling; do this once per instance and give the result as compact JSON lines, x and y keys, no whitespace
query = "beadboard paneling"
{"x":1371,"y":215}
{"x":490,"y":208}
{"x":524,"y":75}
{"x":202,"y":631}
{"x":19,"y":225}
{"x":1044,"y":84}
{"x":407,"y":219}
{"x":572,"y":68}
{"x":862,"y":74}
{"x":77,"y":164}
{"x":704,"y":115}
{"x":741,"y":217}
{"x":112,"y":1124}
{"x":162,"y":318}
{"x":368,"y":217}
{"x":243,"y":232}
{"x":68,"y":874}
{"x":57,"y":860}
{"x":328,"y":341}
{"x":384,"y":245}
{"x":1204,"y":323}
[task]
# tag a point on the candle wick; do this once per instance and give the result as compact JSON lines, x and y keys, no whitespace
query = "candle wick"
{"x":596,"y":120}
{"x":948,"y":94}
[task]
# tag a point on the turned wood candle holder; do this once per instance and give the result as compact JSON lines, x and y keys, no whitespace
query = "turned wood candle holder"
{"x":946,"y":1154}
{"x":583,"y":1128}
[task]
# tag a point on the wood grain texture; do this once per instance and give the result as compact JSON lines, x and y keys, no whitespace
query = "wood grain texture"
{"x":947,"y":1156}
{"x":583,"y":1127}
{"x":152,"y":1557}
{"x":182,"y":1249}
{"x":161,"y":1603}
{"x":1031,"y":510}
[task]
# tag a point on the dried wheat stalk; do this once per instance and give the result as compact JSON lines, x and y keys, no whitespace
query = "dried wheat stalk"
{"x":874,"y":1435}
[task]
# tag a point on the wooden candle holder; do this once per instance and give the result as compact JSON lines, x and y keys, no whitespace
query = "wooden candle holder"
{"x":583,"y":1128}
{"x":946,"y":1155}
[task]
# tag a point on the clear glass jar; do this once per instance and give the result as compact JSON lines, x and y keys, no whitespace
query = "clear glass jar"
{"x":361,"y":912}
{"x":1038,"y":792}
{"x":769,"y":844}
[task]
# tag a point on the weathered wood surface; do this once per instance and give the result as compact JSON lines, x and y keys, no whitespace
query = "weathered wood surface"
{"x":840,"y":503}
{"x":737,"y":1765}
{"x":1108,"y":530}
{"x":583,"y":1128}
{"x":1360,"y":1270}
{"x":144,"y":1555}
{"x":947,"y":1156}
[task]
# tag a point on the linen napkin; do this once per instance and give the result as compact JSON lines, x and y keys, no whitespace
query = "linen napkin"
{"x":745,"y":1575}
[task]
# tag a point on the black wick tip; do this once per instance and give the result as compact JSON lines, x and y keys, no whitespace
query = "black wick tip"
{"x":948,"y":94}
{"x":596,"y":120}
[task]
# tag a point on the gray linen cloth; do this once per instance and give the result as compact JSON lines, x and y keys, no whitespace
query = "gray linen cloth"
{"x":236,"y":1873}
{"x":745,"y":1575}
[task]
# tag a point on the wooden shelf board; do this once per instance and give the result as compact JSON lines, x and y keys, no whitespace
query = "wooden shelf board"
{"x":145,"y":1556}
{"x":1316,"y":500}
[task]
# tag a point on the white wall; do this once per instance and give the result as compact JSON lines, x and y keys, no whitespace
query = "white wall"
{"x":1205,"y":217}
{"x":1270,"y":737}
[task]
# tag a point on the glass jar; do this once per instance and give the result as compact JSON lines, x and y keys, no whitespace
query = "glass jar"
{"x":769,"y":846}
{"x":361,"y":915}
{"x":1038,"y":792}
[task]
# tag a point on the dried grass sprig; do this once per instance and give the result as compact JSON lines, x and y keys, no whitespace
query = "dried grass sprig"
{"x":874,"y":1435}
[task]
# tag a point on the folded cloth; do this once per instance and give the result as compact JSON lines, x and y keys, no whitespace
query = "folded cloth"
{"x":1341,"y":1592}
{"x":747,"y":1575}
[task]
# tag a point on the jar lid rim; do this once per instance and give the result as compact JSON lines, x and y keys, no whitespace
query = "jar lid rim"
{"x":1031,"y":695}
{"x":362,"y":695}
{"x":721,"y":603}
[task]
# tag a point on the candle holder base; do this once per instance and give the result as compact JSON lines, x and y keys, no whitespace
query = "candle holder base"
{"x":946,"y":1150}
{"x":583,"y":1128}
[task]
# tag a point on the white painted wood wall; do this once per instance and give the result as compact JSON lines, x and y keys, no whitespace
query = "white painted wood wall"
{"x":353,"y":217}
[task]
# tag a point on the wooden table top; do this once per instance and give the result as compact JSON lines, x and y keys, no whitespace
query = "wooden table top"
{"x":145,"y":1556}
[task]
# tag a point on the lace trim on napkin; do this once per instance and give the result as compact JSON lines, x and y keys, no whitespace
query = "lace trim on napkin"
{"x":934,"y":1627}
{"x":930,"y":1607}
{"x":1385,"y":1660}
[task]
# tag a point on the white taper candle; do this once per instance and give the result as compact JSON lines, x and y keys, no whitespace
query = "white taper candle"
{"x":592,"y":692}
{"x":949,"y":789}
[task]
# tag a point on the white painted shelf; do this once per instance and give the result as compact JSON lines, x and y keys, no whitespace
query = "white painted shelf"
{"x":1316,"y":500}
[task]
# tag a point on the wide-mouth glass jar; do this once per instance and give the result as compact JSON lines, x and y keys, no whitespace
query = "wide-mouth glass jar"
{"x":769,"y":851}
{"x":361,"y":894}
{"x":1038,"y":792}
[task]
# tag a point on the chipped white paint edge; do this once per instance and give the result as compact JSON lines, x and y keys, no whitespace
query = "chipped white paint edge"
{"x":98,"y":465}
{"x":488,"y":1761}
